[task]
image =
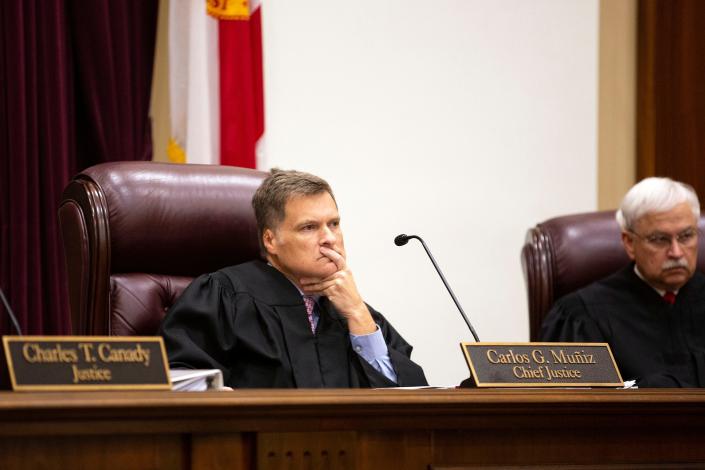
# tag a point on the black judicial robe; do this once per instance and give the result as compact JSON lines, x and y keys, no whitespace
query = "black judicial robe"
{"x":657,"y":344}
{"x":250,"y":322}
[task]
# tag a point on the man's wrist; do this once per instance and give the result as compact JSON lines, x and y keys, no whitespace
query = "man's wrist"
{"x":360,"y":322}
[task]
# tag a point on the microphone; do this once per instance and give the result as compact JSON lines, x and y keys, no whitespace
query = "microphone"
{"x":10,"y":314}
{"x":401,"y":240}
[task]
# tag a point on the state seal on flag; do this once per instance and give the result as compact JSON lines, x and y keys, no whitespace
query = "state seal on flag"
{"x":228,"y":9}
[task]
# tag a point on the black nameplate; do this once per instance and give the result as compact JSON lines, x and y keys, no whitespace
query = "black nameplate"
{"x":86,"y":363}
{"x":542,"y":365}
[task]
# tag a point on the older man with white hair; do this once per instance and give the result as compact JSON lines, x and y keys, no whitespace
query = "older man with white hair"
{"x":652,"y":312}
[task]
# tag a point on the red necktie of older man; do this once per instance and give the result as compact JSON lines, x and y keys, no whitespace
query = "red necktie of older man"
{"x":669,"y":297}
{"x":310,"y":303}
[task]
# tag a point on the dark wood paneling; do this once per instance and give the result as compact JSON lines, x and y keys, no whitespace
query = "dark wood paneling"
{"x":401,"y":449}
{"x":354,"y":429}
{"x":227,"y":451}
{"x":671,"y":91}
{"x":136,"y":452}
{"x":306,"y":450}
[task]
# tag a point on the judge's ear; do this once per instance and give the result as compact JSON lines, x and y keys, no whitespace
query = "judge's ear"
{"x":269,"y":241}
{"x":628,"y":242}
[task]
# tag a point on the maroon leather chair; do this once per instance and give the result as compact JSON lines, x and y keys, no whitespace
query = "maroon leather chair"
{"x":565,"y":253}
{"x":136,"y":233}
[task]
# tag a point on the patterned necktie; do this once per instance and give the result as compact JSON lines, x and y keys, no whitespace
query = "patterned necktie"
{"x":669,"y":297}
{"x":310,"y":303}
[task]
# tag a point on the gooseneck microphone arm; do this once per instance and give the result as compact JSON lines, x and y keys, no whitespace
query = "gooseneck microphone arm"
{"x":10,"y":314}
{"x":401,"y":240}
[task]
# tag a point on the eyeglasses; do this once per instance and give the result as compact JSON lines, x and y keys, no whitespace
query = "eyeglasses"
{"x":687,"y":238}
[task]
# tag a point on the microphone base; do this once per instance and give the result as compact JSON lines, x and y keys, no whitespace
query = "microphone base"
{"x":467,"y":383}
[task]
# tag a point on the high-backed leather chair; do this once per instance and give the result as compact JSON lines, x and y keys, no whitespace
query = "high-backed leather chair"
{"x":136,"y":233}
{"x":565,"y":253}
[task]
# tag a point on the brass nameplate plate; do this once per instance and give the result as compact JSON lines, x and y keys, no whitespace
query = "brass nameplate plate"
{"x":542,"y":365}
{"x":69,"y":363}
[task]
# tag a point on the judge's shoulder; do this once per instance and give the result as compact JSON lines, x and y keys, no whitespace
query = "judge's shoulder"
{"x":578,"y":312}
{"x":233,"y":278}
{"x":255,"y":278}
{"x":611,"y":288}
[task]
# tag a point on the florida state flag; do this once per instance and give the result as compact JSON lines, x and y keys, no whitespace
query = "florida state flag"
{"x":215,"y":79}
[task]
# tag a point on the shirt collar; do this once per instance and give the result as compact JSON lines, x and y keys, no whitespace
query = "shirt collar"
{"x":660,"y":291}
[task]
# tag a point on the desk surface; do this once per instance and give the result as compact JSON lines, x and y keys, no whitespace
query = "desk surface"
{"x":421,"y":427}
{"x":261,"y":410}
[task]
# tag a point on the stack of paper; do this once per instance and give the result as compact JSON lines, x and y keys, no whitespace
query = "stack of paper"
{"x":196,"y":380}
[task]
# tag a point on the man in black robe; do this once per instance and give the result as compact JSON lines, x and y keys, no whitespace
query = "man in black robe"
{"x":652,"y":312}
{"x":296,"y":320}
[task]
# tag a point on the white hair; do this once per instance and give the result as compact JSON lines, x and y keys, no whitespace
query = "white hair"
{"x":655,"y":195}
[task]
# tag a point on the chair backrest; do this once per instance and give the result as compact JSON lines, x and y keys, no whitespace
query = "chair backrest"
{"x":136,"y":233}
{"x":563,"y":254}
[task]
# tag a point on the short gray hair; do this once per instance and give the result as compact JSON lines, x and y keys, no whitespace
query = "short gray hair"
{"x":655,"y":195}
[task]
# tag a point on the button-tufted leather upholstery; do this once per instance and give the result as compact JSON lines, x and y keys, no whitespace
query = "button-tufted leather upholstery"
{"x":136,"y":233}
{"x":563,"y":254}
